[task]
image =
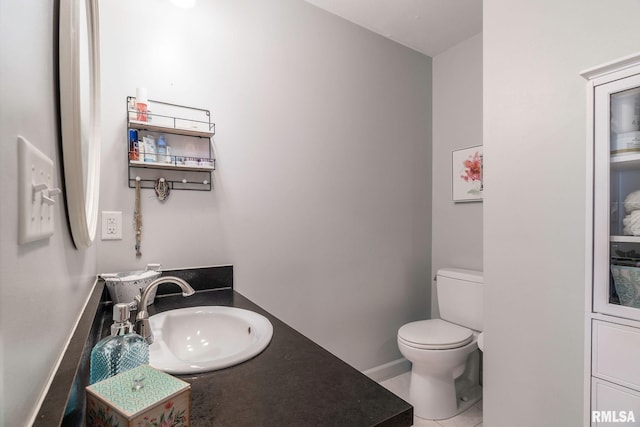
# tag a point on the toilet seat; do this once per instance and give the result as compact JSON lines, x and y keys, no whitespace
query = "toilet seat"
{"x":434,"y":334}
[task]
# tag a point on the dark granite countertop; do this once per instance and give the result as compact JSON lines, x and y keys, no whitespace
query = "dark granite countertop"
{"x":293,"y":382}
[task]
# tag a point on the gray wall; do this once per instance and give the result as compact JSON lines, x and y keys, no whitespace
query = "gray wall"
{"x":322,"y":195}
{"x":534,"y":210}
{"x":457,"y":123}
{"x":44,"y":284}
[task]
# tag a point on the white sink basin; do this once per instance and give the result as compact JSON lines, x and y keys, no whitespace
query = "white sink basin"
{"x":202,"y":339}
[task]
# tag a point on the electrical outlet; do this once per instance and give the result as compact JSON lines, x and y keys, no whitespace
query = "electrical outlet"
{"x":111,"y":225}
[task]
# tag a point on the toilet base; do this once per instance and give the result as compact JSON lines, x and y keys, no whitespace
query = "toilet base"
{"x":436,"y":397}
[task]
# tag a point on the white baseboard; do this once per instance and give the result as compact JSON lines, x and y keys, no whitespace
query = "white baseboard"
{"x":388,"y":370}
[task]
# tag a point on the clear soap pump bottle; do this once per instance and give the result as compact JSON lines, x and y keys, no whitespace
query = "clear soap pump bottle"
{"x":119,"y":352}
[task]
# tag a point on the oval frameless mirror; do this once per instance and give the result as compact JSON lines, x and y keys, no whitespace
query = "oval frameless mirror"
{"x":79,"y":68}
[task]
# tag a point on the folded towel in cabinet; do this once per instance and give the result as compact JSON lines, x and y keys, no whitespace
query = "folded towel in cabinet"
{"x":631,"y":224}
{"x":632,"y":202}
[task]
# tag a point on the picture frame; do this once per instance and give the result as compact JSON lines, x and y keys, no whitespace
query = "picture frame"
{"x":467,"y":174}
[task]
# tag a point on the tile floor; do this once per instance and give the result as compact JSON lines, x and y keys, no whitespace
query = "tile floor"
{"x":472,"y":417}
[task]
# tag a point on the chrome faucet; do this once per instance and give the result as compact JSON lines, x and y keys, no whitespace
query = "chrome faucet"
{"x":142,"y":319}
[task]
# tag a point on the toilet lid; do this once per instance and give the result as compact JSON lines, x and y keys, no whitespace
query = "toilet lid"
{"x":434,"y":334}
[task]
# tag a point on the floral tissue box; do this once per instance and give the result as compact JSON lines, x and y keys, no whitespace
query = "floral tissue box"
{"x":140,"y":397}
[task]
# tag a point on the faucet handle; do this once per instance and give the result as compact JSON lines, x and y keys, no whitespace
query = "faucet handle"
{"x":135,"y":304}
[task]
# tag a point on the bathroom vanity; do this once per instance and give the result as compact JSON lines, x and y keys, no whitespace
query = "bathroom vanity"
{"x":293,"y":382}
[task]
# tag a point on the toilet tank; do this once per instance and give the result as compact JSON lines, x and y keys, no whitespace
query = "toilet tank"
{"x":461,"y":297}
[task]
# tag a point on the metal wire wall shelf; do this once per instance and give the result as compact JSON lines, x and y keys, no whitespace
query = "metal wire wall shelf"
{"x":188,"y":160}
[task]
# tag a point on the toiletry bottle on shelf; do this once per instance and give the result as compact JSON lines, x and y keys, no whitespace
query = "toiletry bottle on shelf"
{"x":132,"y":109}
{"x":163,"y":150}
{"x":119,"y":352}
{"x":134,"y":153}
{"x":141,"y":104}
{"x":149,"y":144}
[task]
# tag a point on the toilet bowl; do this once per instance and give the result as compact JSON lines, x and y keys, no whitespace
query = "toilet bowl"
{"x":444,"y":352}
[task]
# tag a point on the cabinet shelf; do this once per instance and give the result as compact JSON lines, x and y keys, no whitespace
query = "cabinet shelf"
{"x":625,"y":239}
{"x":169,"y":166}
{"x":176,"y":130}
{"x":620,"y":162}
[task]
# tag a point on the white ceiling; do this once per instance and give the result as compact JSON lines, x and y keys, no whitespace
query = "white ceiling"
{"x":428,"y":26}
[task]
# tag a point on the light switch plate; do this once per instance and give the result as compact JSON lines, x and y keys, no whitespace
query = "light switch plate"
{"x":36,"y":219}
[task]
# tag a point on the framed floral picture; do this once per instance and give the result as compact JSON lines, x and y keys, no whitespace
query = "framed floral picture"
{"x":467,"y":174}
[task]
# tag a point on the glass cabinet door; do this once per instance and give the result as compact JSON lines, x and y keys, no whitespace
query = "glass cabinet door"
{"x":617,"y":198}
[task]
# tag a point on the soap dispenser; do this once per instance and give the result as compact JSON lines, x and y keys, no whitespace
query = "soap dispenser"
{"x":121,"y":351}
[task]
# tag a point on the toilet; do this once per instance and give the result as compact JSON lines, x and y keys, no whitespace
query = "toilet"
{"x":445,"y":372}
